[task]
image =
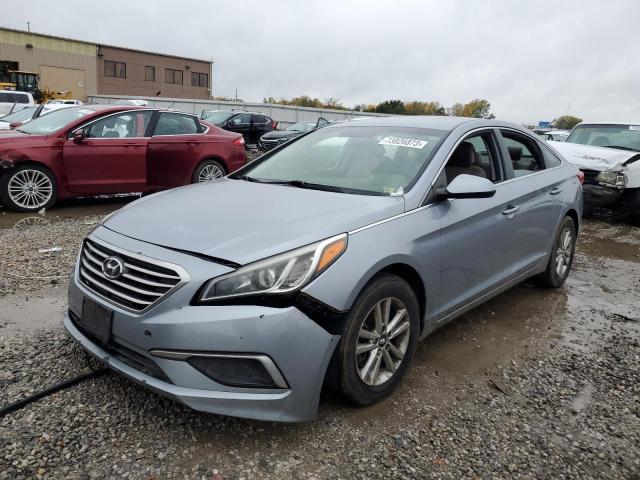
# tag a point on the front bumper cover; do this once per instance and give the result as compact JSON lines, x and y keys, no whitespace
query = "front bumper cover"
{"x":601,"y":195}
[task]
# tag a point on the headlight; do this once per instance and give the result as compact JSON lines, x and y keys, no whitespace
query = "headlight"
{"x":279,"y":274}
{"x":612,"y":179}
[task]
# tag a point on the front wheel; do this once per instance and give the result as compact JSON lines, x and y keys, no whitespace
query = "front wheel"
{"x":379,"y":338}
{"x":561,"y":258}
{"x":208,"y":170}
{"x":28,"y":188}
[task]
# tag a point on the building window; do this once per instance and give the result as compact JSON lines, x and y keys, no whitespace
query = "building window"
{"x":150,"y":73}
{"x":115,"y":69}
{"x":199,"y":79}
{"x":173,"y":76}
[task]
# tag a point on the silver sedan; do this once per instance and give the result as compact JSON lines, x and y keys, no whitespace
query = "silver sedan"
{"x":324,"y":261}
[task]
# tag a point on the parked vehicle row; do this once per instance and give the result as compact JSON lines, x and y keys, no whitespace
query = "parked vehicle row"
{"x":324,"y":261}
{"x":250,"y":124}
{"x":101,"y":149}
{"x":609,"y":156}
{"x":276,"y":138}
{"x":16,"y":119}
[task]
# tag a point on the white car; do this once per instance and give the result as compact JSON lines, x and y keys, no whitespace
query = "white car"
{"x":64,"y":101}
{"x":609,"y":155}
{"x":12,"y":101}
{"x":16,"y":119}
{"x":557,"y":135}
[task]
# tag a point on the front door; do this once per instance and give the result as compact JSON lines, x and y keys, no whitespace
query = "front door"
{"x":476,"y":233}
{"x":112,"y":156}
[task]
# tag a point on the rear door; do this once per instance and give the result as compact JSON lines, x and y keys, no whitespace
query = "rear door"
{"x":536,"y":185}
{"x":259,"y":126}
{"x":112,"y":156}
{"x":173,"y":150}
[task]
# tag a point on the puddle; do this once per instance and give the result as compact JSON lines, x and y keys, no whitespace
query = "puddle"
{"x":23,"y":314}
{"x":74,"y":208}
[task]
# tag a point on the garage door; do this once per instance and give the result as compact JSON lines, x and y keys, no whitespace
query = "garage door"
{"x":58,"y":79}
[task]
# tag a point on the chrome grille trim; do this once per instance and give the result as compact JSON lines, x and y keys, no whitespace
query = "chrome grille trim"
{"x":145,"y":282}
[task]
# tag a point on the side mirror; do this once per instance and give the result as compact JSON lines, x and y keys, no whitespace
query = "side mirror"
{"x":78,"y":136}
{"x":467,"y":186}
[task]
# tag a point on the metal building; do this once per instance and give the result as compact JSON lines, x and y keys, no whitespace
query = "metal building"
{"x":84,"y":68}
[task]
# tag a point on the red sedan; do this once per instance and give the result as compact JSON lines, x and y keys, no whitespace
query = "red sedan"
{"x":105,"y":149}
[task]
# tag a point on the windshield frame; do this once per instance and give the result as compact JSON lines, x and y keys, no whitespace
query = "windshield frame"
{"x":243,"y":171}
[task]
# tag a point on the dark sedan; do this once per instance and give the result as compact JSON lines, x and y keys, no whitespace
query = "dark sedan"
{"x":278,"y":137}
{"x":250,"y":124}
{"x":101,"y":149}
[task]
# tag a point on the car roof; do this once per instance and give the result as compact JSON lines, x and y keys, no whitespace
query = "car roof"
{"x":609,"y":123}
{"x":425,"y":121}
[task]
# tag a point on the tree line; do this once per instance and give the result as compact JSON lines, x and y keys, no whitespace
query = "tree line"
{"x":478,"y":108}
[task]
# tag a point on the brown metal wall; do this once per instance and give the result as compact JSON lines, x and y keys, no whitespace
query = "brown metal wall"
{"x":135,"y":83}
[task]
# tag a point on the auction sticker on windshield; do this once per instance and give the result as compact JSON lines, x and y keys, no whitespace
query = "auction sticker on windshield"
{"x":403,"y":142}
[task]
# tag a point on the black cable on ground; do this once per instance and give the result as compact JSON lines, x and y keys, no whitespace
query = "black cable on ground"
{"x":12,"y":407}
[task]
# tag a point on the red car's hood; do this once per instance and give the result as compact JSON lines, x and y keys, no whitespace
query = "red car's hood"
{"x":13,"y":136}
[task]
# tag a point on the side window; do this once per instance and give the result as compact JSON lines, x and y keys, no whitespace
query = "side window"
{"x":176,"y":124}
{"x":476,"y":155}
{"x":260,"y":119}
{"x":550,"y":160}
{"x":525,"y":155}
{"x":241,"y":119}
{"x":124,"y":125}
{"x":21,"y":98}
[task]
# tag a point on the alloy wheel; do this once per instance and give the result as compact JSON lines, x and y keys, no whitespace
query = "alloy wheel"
{"x":210,"y":172}
{"x":564,"y":251}
{"x":382,"y":341}
{"x":30,"y":189}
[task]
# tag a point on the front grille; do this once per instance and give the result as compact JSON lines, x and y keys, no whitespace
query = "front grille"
{"x":269,"y":144}
{"x":143,"y":283}
{"x":590,"y":176}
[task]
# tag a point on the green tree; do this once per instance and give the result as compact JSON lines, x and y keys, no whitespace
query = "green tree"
{"x":394,"y":107}
{"x":424,"y":108}
{"x":566,"y":122}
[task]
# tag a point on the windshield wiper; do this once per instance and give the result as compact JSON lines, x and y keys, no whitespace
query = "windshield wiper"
{"x":247,"y":178}
{"x":316,"y":186}
{"x":620,"y":147}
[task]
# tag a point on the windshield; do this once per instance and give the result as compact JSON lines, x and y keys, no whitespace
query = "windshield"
{"x":219,"y":117}
{"x":354,"y":159}
{"x":54,"y":121}
{"x":625,"y":137}
{"x":301,"y":127}
{"x":20,"y":116}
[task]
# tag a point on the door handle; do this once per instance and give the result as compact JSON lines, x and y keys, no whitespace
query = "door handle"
{"x":510,"y":209}
{"x":555,"y":191}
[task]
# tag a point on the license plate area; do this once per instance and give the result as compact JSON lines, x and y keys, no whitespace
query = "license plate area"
{"x":96,"y":320}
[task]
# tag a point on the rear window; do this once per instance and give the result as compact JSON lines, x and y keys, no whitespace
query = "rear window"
{"x":11,"y":97}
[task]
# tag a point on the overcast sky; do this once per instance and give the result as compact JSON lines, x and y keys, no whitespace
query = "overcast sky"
{"x":532,"y":60}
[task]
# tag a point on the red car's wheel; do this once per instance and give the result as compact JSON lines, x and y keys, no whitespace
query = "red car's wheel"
{"x":28,"y":188}
{"x":208,"y":170}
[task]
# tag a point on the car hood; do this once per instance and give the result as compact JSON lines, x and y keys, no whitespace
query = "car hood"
{"x":13,"y":136}
{"x":592,"y":158}
{"x":280,"y":134}
{"x":242,"y":221}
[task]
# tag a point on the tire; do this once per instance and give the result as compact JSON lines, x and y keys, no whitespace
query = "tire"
{"x":208,"y":170}
{"x":558,"y":270}
{"x":347,"y":373}
{"x":634,"y":209}
{"x":28,"y":188}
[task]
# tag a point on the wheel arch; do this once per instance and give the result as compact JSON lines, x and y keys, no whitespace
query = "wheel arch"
{"x":573,"y":214}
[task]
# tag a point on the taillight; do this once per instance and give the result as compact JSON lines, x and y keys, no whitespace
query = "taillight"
{"x":239,"y":141}
{"x":581,"y":176}
{"x":274,"y":124}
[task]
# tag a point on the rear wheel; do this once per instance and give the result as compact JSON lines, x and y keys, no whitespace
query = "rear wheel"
{"x":561,"y":258}
{"x":208,"y":170}
{"x":379,"y":338}
{"x":28,"y":188}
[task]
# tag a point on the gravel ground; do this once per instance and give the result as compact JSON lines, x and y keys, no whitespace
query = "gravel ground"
{"x":534,"y":384}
